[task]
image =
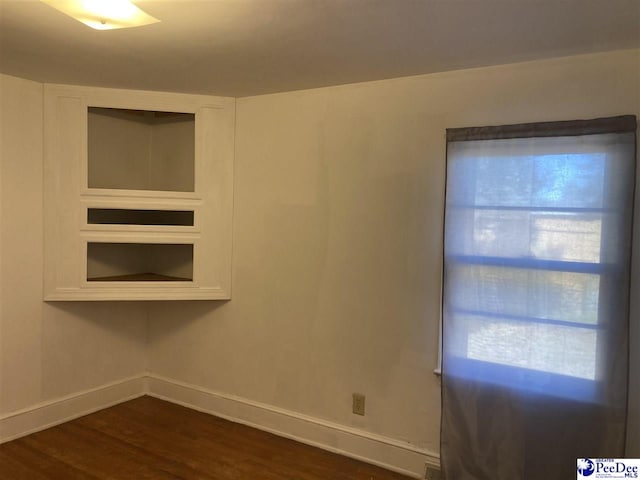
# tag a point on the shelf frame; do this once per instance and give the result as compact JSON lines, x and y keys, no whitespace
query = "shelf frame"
{"x":67,"y":198}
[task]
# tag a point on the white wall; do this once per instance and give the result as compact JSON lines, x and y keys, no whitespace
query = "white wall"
{"x":48,"y":351}
{"x":338,"y":239}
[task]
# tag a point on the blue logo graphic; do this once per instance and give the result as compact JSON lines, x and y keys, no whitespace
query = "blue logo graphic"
{"x":586,"y":467}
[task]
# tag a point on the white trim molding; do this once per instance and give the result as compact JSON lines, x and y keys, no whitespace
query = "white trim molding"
{"x":385,"y":452}
{"x":54,"y":412}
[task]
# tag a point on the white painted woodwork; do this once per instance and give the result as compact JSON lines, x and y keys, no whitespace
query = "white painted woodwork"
{"x":167,"y":165}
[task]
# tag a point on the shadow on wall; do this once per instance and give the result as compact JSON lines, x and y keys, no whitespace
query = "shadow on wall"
{"x":185,"y":314}
{"x":119,"y":319}
{"x":86,"y":345}
{"x":127,"y":320}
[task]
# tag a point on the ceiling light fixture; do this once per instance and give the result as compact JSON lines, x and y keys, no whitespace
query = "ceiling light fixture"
{"x":103,"y":14}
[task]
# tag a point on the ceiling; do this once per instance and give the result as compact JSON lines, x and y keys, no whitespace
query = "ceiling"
{"x":250,"y":47}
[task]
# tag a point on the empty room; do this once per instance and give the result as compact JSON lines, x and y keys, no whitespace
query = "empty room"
{"x":319,"y":239}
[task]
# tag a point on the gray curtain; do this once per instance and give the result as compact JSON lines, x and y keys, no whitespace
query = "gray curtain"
{"x":535,"y":300}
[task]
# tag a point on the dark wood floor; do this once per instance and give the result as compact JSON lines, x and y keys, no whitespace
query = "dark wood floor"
{"x":148,"y":438}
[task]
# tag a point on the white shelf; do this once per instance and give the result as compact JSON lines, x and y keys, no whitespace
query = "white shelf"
{"x":138,"y":195}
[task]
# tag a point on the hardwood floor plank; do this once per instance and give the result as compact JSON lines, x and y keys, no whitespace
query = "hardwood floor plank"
{"x":147,"y":438}
{"x":20,"y":461}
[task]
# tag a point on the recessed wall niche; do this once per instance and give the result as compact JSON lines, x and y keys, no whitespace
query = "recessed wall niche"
{"x":140,"y":150}
{"x":138,"y":191}
{"x":125,"y":216}
{"x":139,"y":262}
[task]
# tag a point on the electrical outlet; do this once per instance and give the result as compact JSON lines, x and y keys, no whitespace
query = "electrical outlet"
{"x":358,"y":404}
{"x":432,"y":473}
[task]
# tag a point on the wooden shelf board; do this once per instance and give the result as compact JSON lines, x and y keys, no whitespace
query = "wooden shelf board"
{"x":140,"y":277}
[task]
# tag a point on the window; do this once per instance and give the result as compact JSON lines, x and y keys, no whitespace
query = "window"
{"x":537,"y":248}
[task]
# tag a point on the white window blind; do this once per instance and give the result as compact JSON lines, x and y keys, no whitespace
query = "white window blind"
{"x":535,"y":347}
{"x":537,"y":245}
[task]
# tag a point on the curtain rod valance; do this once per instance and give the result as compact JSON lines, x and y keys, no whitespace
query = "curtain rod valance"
{"x":621,"y":124}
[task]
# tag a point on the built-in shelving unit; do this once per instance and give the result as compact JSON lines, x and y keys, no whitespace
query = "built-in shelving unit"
{"x":138,"y":195}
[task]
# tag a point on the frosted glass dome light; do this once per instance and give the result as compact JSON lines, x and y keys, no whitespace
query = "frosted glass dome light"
{"x":103,"y":14}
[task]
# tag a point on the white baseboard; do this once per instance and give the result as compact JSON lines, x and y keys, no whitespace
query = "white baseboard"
{"x":375,"y":449}
{"x":378,"y":450}
{"x":60,"y":410}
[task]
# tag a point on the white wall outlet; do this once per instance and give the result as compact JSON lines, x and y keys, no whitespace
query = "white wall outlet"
{"x":358,"y":404}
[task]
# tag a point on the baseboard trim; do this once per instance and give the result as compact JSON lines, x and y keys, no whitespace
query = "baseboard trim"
{"x":54,"y":412}
{"x":355,"y":443}
{"x":375,"y":449}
